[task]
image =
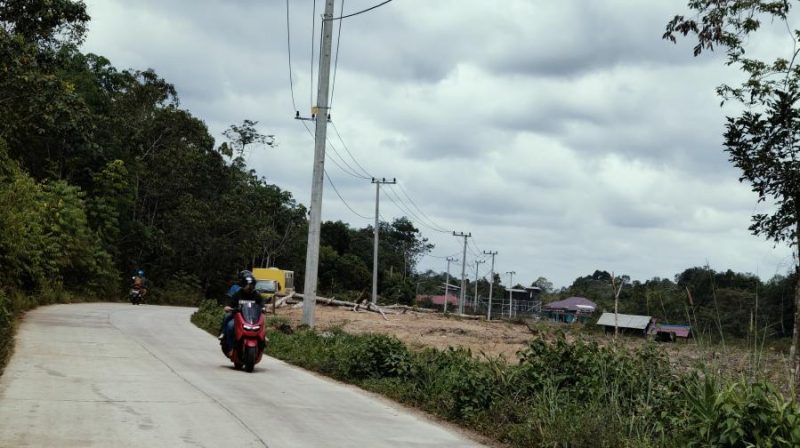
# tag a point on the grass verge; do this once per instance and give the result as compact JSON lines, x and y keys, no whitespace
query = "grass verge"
{"x":560,"y":393}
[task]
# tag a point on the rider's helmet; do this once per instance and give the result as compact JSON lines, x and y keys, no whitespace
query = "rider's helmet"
{"x":140,"y":273}
{"x":245,"y":278}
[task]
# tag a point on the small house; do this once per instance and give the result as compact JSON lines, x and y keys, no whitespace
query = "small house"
{"x":671,"y":332}
{"x":569,"y":310}
{"x":626,"y":322}
{"x":452,"y":300}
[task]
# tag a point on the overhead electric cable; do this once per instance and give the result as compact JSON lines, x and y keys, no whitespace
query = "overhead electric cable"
{"x":342,"y":199}
{"x":333,"y":124}
{"x":362,"y":11}
{"x":336,"y":58}
{"x":477,"y":250}
{"x":350,"y":169}
{"x":440,"y":257}
{"x":289,"y":48}
{"x":437,"y":227}
{"x":409,"y":214}
{"x":406,"y":209}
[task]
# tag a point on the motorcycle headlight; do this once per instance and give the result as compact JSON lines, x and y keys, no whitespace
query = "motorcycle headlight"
{"x":251,"y":327}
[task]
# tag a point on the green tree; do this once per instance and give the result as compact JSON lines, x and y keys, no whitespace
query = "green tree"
{"x":240,"y":137}
{"x":543,"y":283}
{"x":762,"y":140}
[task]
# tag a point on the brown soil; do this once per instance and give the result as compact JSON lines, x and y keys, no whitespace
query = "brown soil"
{"x":424,"y":329}
{"x":502,"y":338}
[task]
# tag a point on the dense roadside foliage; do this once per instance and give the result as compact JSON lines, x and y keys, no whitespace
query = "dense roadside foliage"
{"x":559,"y":393}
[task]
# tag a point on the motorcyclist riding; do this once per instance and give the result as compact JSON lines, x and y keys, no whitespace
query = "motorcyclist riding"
{"x":247,"y":291}
{"x":228,"y":296}
{"x":139,"y":283}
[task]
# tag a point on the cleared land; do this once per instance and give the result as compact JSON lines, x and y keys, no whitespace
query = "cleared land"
{"x":502,"y":338}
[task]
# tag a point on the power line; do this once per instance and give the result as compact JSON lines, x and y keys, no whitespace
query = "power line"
{"x":440,"y":257}
{"x":407,"y":211}
{"x":342,"y":199}
{"x":477,"y":250}
{"x":289,"y":48}
{"x":362,"y":11}
{"x":336,"y":59}
{"x":333,"y":124}
{"x":351,"y":170}
{"x":405,"y":193}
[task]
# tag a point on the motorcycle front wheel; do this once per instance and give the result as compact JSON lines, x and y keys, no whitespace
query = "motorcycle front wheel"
{"x":249,"y":358}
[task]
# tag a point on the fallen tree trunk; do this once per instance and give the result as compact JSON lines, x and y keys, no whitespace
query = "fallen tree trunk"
{"x":467,"y":316}
{"x":283,"y":301}
{"x":410,"y":308}
{"x":343,"y":303}
{"x":373,"y":307}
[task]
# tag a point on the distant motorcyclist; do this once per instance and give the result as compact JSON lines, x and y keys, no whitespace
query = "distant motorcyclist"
{"x":139,"y":283}
{"x":247,"y":291}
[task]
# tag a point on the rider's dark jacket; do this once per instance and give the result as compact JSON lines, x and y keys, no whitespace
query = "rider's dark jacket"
{"x":241,"y":294}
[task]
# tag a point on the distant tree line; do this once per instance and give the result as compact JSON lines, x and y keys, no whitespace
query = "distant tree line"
{"x":716,"y":304}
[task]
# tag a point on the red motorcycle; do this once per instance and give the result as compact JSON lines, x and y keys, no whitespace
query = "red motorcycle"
{"x":249,"y":336}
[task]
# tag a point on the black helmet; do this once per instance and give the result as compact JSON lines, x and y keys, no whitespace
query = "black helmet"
{"x":245,"y":278}
{"x":242,"y":274}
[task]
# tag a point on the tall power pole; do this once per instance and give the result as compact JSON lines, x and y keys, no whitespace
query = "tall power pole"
{"x":321,"y":112}
{"x":463,"y":270}
{"x":475,"y":298}
{"x":510,"y":294}
{"x":491,"y":284}
{"x":377,"y":183}
{"x":447,"y":282}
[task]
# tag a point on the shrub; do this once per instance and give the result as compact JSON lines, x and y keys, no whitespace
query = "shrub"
{"x":738,"y":414}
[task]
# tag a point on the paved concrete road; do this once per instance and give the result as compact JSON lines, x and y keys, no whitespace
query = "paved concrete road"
{"x":116,"y":375}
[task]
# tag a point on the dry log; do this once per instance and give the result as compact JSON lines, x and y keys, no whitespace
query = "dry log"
{"x":373,"y":307}
{"x":342,"y":303}
{"x":410,"y":308}
{"x":468,"y":316}
{"x":331,"y":301}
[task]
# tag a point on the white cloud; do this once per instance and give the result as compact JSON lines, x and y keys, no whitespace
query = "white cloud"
{"x":565,"y":135}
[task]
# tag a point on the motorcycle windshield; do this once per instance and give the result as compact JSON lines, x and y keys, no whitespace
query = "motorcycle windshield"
{"x":250,"y":310}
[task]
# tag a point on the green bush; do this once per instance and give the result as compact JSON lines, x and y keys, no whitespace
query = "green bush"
{"x":738,"y":414}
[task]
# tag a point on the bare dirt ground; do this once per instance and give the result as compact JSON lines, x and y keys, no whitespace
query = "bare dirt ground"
{"x":424,"y":329}
{"x":502,"y":338}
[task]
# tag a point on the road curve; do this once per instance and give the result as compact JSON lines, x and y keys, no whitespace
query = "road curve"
{"x":117,"y":375}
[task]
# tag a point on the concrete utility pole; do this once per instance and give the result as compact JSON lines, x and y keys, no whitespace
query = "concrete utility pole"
{"x":447,"y":282}
{"x":475,"y":298}
{"x":463,"y":270}
{"x":321,"y":113}
{"x":377,"y":183}
{"x":491,"y":284}
{"x":510,"y":294}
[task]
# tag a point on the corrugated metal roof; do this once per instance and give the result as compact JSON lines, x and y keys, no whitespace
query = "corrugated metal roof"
{"x":625,"y":321}
{"x":572,"y":303}
{"x":682,"y":331}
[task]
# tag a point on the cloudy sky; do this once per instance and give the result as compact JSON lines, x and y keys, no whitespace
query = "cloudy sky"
{"x":564,"y":134}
